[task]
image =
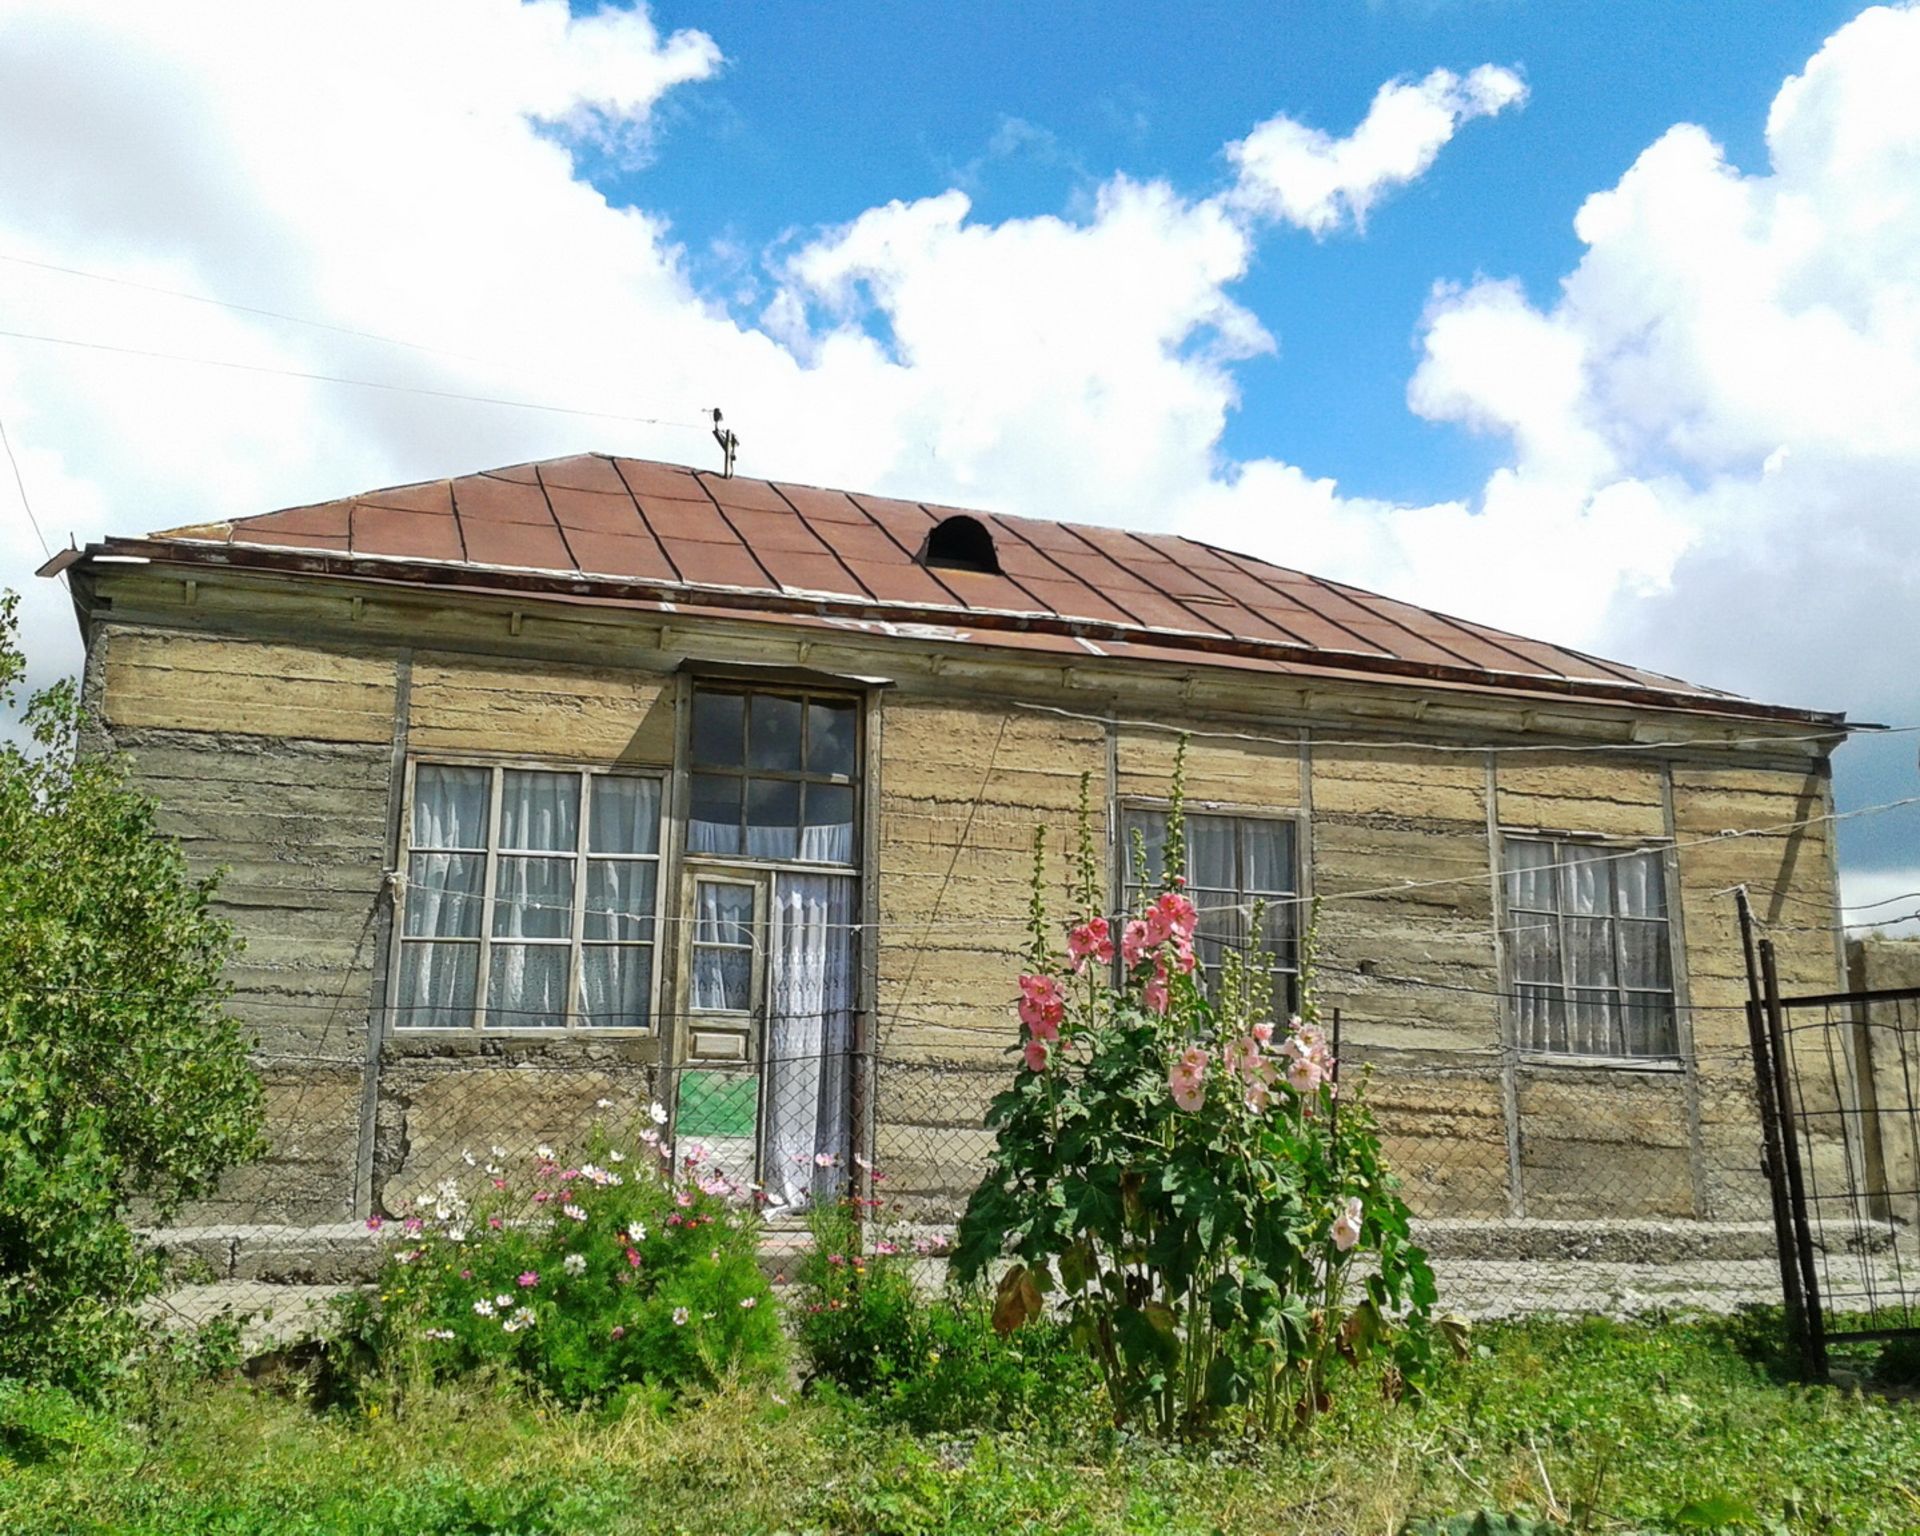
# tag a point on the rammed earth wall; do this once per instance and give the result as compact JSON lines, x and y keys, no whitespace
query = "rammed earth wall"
{"x":272,"y":720}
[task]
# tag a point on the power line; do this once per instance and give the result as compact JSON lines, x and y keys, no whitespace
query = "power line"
{"x":22,"y":485}
{"x":245,"y":309}
{"x":333,"y":378}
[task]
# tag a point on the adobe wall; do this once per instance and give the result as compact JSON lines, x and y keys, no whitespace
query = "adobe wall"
{"x":278,"y":760}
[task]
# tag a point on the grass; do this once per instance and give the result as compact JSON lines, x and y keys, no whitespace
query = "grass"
{"x":1679,"y":1428}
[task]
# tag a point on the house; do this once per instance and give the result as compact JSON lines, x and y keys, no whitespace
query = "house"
{"x":549,"y":791}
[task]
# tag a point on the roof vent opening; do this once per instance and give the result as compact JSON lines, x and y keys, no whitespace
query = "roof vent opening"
{"x":960,"y":543}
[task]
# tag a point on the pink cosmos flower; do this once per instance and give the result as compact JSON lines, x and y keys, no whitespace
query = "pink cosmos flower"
{"x":1091,"y":940}
{"x":633,"y":1258}
{"x":748,"y":1303}
{"x":529,"y":1278}
{"x":1346,"y":1226}
{"x":494,"y":1222}
{"x":411,"y":1225}
{"x":618,"y":1332}
{"x":1035,"y":1052}
{"x":374,"y":1223}
{"x":1188,"y":1078}
{"x":683,"y":1198}
{"x":1133,"y":943}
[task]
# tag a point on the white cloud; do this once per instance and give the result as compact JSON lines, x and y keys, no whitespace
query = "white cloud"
{"x":1885,"y":901}
{"x":1306,"y":177}
{"x":1713,"y":425}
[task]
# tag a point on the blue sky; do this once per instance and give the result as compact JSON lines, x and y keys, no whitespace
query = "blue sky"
{"x":823,"y":111}
{"x":1445,"y":299}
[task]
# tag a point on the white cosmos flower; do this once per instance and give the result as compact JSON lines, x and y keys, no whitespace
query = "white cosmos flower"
{"x":574,"y":1263}
{"x":657,"y":1113}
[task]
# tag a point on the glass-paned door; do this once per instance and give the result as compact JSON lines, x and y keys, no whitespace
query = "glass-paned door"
{"x":764,"y":1084}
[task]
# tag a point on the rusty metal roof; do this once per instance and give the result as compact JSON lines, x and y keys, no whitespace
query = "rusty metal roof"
{"x":649,"y":534}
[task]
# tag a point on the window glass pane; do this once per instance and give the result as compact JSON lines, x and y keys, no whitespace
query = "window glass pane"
{"x":1211,"y":853}
{"x":437,"y":984}
{"x":613,"y":984}
{"x":827,"y":834}
{"x":1591,"y":1024}
{"x":1152,"y":829}
{"x":1589,"y":956}
{"x":832,"y":736}
{"x":527,"y":986}
{"x":723,"y":913}
{"x":1533,"y":940}
{"x":1221,"y":926}
{"x":533,"y":898}
{"x":722,"y":980}
{"x":1530,"y":875}
{"x":773,"y":817}
{"x":1642,"y":886}
{"x":714,"y":825}
{"x":444,"y":894}
{"x":719,"y":729}
{"x":449,"y":807}
{"x":626,"y":815}
{"x":1650,"y":1025}
{"x":1643,"y":948}
{"x":1586,"y":880}
{"x":619,"y":900}
{"x":1269,"y":854}
{"x":539,"y":810}
{"x":773,"y":734}
{"x":1540,"y":1018}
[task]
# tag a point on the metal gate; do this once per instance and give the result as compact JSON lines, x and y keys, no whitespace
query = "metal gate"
{"x":1838,"y":1077}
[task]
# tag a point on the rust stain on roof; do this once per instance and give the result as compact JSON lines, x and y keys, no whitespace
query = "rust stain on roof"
{"x":595,"y":521}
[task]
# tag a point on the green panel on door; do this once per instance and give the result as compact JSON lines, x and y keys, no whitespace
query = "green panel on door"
{"x":717,"y":1104}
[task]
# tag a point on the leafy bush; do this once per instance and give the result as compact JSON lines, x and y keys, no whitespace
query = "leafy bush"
{"x":579,"y":1279}
{"x":122,"y":1080}
{"x":1192,"y":1183}
{"x":933,"y":1363}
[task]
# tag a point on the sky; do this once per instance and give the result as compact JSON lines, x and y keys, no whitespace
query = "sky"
{"x":1597,"y":321}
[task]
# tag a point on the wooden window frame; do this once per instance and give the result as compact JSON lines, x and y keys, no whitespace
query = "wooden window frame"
{"x":1122,"y":864}
{"x":497,"y":767}
{"x":804,"y":695}
{"x":1657,"y":848}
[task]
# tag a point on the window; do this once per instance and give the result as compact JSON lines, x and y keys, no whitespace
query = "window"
{"x":1233,"y":862}
{"x":773,"y":776}
{"x":522,"y":913}
{"x":1589,"y":949}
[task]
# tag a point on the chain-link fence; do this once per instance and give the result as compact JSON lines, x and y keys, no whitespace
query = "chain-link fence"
{"x":1564,"y":1186}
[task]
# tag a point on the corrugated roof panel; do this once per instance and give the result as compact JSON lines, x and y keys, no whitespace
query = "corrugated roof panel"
{"x":636,"y":520}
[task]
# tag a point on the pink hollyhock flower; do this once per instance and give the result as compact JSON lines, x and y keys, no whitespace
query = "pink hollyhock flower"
{"x":1346,"y":1226}
{"x":1183,"y":954}
{"x":1041,"y":1006}
{"x":1035,"y":1052}
{"x":1263,"y":1031}
{"x":1258,"y":1095}
{"x":1159,"y":926}
{"x":1133,"y":943}
{"x":1091,"y":940}
{"x":529,"y":1278}
{"x":1303,"y":1076}
{"x":1188,"y":1078}
{"x":1178,"y":913}
{"x":1155,"y":995}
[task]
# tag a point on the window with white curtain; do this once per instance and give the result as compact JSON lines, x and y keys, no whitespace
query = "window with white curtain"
{"x":530,"y":899}
{"x":1589,"y":949}
{"x":773,"y":776}
{"x":1234,"y":863}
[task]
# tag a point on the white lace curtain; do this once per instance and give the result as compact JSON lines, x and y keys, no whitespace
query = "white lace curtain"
{"x":809,"y":1034}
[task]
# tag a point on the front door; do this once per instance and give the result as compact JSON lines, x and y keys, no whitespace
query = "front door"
{"x":765,"y":1063}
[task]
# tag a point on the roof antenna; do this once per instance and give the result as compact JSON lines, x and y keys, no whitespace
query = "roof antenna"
{"x":729,"y":444}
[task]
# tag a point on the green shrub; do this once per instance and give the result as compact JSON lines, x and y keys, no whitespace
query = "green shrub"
{"x":122,"y":1080}
{"x":932,"y":1363}
{"x":577,"y":1278}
